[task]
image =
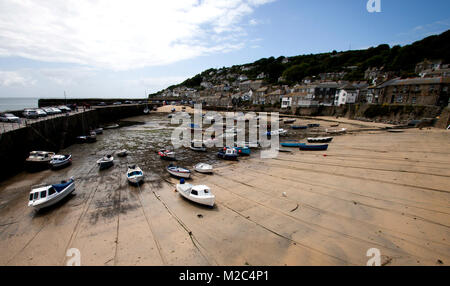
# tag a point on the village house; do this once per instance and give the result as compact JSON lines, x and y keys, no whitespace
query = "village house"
{"x":423,"y":91}
{"x":346,"y":94}
{"x":275,"y":96}
{"x":428,"y":65}
{"x":243,"y":77}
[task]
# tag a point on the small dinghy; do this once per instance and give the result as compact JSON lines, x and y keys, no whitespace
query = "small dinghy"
{"x":320,"y":140}
{"x":135,"y":175}
{"x":339,"y":131}
{"x":198,"y":194}
{"x":178,"y":171}
{"x":313,"y":125}
{"x":228,"y":153}
{"x":292,"y":145}
{"x":314,"y":147}
{"x":289,"y":121}
{"x":284,"y":151}
{"x":45,"y":196}
{"x":299,"y":127}
{"x":243,"y":151}
{"x":166,"y":154}
{"x":203,"y":168}
{"x":198,"y":146}
{"x":279,"y":132}
{"x":60,"y":161}
{"x":105,"y":162}
{"x":122,"y":153}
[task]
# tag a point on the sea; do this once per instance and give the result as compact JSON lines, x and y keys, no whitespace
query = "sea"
{"x":17,"y":103}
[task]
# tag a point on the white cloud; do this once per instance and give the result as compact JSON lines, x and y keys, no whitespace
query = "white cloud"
{"x":14,"y":78}
{"x":121,"y":34}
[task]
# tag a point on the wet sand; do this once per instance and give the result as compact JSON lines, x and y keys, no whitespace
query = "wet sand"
{"x":373,"y":189}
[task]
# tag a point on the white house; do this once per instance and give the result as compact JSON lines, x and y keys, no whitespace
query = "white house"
{"x":286,"y":101}
{"x":346,"y":95}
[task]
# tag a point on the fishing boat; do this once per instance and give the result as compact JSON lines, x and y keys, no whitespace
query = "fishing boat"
{"x":313,"y":125}
{"x":299,"y":127}
{"x":38,"y":160}
{"x":320,"y":140}
{"x":339,"y":131}
{"x":203,"y":168}
{"x":289,"y":121}
{"x":243,"y":151}
{"x":45,"y":196}
{"x":135,"y":175}
{"x":122,"y":153}
{"x":105,"y":162}
{"x":291,"y":145}
{"x":178,"y":171}
{"x":198,"y":146}
{"x":279,"y":132}
{"x":166,"y":154}
{"x":228,"y":153}
{"x":60,"y":161}
{"x":199,"y":194}
{"x":314,"y":147}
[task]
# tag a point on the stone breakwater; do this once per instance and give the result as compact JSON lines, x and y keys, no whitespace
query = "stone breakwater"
{"x":55,"y":133}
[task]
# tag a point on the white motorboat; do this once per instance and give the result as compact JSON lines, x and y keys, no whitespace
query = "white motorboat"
{"x":45,"y":196}
{"x":38,"y":160}
{"x":279,"y":132}
{"x":179,"y":171}
{"x":199,"y":194}
{"x":135,"y":174}
{"x":203,"y":168}
{"x":59,"y":161}
{"x":122,"y":153}
{"x":198,"y":146}
{"x":105,"y":162}
{"x":320,"y":140}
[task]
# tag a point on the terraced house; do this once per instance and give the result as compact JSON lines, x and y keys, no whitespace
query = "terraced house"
{"x":423,"y":91}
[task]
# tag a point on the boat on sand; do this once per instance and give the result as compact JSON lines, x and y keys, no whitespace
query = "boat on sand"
{"x":199,"y":194}
{"x":45,"y":196}
{"x":135,"y":174}
{"x":203,"y":168}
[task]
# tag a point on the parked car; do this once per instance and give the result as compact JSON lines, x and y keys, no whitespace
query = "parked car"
{"x":48,"y":110}
{"x":30,"y":113}
{"x":127,"y":102}
{"x":64,"y":108}
{"x":9,"y":117}
{"x":56,"y":110}
{"x":101,"y":104}
{"x":117,"y":103}
{"x":41,"y":112}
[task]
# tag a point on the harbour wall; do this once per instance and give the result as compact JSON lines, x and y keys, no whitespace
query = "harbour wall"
{"x":54,"y":134}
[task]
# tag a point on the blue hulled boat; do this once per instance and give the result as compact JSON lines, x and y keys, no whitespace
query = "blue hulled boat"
{"x":243,"y":151}
{"x":299,"y":127}
{"x":314,"y":147}
{"x":292,"y":145}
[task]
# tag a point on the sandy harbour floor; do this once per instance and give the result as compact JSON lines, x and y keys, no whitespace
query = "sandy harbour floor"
{"x":371,"y":189}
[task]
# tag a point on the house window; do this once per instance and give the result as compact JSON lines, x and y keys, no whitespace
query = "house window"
{"x":414,"y":100}
{"x":399,"y":99}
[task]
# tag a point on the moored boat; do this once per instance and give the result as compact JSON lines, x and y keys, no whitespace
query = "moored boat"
{"x":320,"y":140}
{"x":299,"y":127}
{"x":198,"y":146}
{"x":289,"y":121}
{"x":199,"y":194}
{"x":243,"y":151}
{"x":113,"y":126}
{"x":38,"y":160}
{"x":306,"y":147}
{"x":166,"y":154}
{"x":60,"y":161}
{"x":228,"y":153}
{"x":135,"y":175}
{"x":291,"y":145}
{"x":98,"y":131}
{"x":105,"y":162}
{"x":313,"y":125}
{"x":178,"y":171}
{"x":339,"y":131}
{"x":203,"y":168}
{"x":45,"y":196}
{"x":122,"y":153}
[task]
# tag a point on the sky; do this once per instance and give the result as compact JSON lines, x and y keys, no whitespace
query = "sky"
{"x":128,"y":49}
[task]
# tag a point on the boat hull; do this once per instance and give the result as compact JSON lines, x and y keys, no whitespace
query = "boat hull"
{"x":314,"y":147}
{"x":320,"y":140}
{"x":292,"y":145}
